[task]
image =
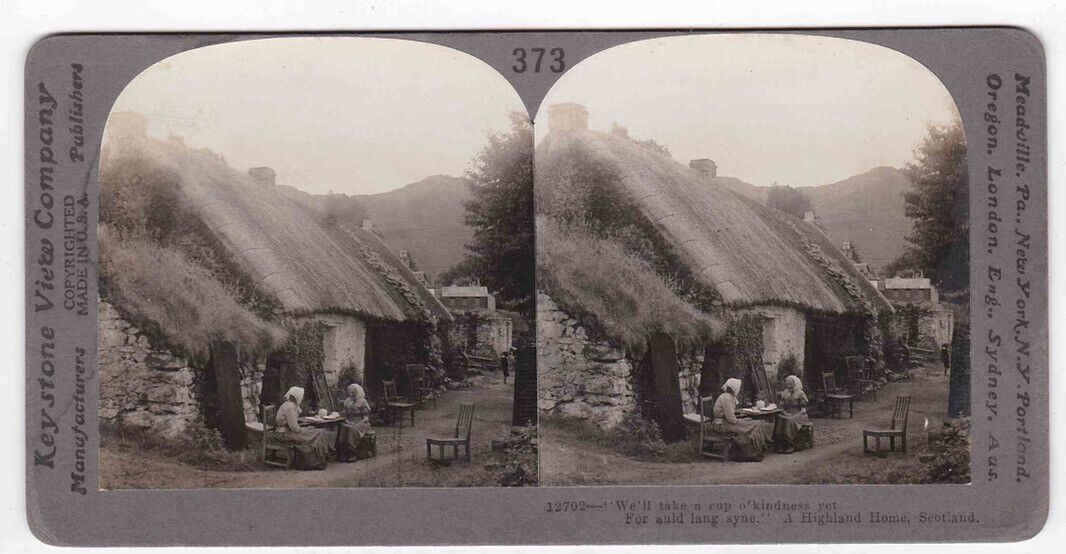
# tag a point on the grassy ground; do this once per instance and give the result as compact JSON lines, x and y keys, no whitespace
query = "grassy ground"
{"x":128,"y":462}
{"x":571,"y":454}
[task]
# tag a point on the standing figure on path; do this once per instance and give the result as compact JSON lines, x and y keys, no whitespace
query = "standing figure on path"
{"x":505,"y":366}
{"x":750,"y":437}
{"x":945,"y":357}
{"x":312,"y":445}
{"x":354,"y":440}
{"x":788,"y":436}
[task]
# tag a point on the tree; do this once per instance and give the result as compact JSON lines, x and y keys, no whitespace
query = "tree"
{"x":500,"y":211}
{"x":939,"y":202}
{"x":789,"y":200}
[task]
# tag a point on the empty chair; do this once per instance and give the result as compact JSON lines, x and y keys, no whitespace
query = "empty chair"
{"x":396,"y":406}
{"x":420,"y":386}
{"x":897,"y":429}
{"x":859,"y":376}
{"x":461,"y":437}
{"x":836,"y":397}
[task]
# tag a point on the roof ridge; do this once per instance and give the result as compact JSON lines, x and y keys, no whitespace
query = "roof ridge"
{"x":384,"y":271}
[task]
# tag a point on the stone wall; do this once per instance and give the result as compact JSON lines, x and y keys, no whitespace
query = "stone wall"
{"x":486,"y":334}
{"x":935,"y":326}
{"x":577,"y":375}
{"x":150,"y":388}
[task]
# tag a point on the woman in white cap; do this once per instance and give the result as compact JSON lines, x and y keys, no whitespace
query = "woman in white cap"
{"x":788,"y":435}
{"x":354,"y":440}
{"x":749,"y":436}
{"x":312,"y":445}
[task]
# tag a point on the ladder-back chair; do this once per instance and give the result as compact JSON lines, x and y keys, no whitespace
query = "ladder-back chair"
{"x":463,"y":427}
{"x":396,"y":406}
{"x":897,"y":429}
{"x":836,"y":397}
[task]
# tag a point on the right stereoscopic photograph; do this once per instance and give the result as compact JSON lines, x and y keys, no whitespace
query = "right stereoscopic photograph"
{"x":752,"y":266}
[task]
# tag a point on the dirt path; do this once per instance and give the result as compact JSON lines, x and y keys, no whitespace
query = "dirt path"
{"x":564,"y":460}
{"x":492,"y":420}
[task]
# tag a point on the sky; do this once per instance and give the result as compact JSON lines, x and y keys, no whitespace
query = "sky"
{"x":347,"y":114}
{"x":792,"y":109}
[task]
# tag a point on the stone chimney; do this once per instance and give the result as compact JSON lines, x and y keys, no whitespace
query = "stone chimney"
{"x":567,"y":116}
{"x":809,"y":216}
{"x":705,"y":166}
{"x":263,"y":176}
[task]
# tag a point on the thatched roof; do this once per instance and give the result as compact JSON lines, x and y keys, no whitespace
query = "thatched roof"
{"x":309,"y":263}
{"x":748,"y":253}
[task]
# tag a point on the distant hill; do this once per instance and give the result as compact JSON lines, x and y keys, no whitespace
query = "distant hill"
{"x":427,"y":218}
{"x":867,"y":209}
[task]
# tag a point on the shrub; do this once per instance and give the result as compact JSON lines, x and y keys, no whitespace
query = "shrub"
{"x":637,"y":437}
{"x":517,"y":459}
{"x":949,"y":461}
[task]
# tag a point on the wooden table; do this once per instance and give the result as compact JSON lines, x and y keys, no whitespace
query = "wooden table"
{"x":328,"y":424}
{"x":764,"y":415}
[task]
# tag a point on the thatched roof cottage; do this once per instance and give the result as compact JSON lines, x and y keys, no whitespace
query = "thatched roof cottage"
{"x":335,"y":298}
{"x":699,"y":253}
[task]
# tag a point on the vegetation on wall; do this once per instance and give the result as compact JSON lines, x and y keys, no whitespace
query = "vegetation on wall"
{"x":613,"y":292}
{"x":162,"y":269}
{"x":581,"y":194}
{"x":743,"y":337}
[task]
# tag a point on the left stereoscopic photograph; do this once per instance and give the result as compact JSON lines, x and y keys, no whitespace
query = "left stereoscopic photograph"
{"x":316,"y":270}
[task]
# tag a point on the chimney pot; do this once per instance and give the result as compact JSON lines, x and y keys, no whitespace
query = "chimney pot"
{"x":263,"y":175}
{"x":705,"y":166}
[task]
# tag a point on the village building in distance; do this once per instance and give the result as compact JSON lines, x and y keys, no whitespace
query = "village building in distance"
{"x":480,"y":328}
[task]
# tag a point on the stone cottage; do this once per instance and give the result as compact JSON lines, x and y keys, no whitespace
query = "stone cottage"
{"x":354,"y":310}
{"x":811,"y":305}
{"x":480,"y":328}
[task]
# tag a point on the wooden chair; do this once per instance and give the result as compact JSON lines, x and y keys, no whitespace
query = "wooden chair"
{"x":396,"y":406}
{"x":276,"y":452}
{"x":420,"y":385}
{"x":712,"y":445}
{"x":859,"y":377}
{"x":836,"y":396}
{"x":898,"y":427}
{"x":461,"y":438}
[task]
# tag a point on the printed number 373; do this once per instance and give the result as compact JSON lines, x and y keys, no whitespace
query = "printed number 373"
{"x":532,"y":59}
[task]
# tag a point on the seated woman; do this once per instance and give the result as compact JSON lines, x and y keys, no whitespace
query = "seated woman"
{"x":749,"y":436}
{"x":788,"y":435}
{"x":354,"y":440}
{"x":312,"y":445}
